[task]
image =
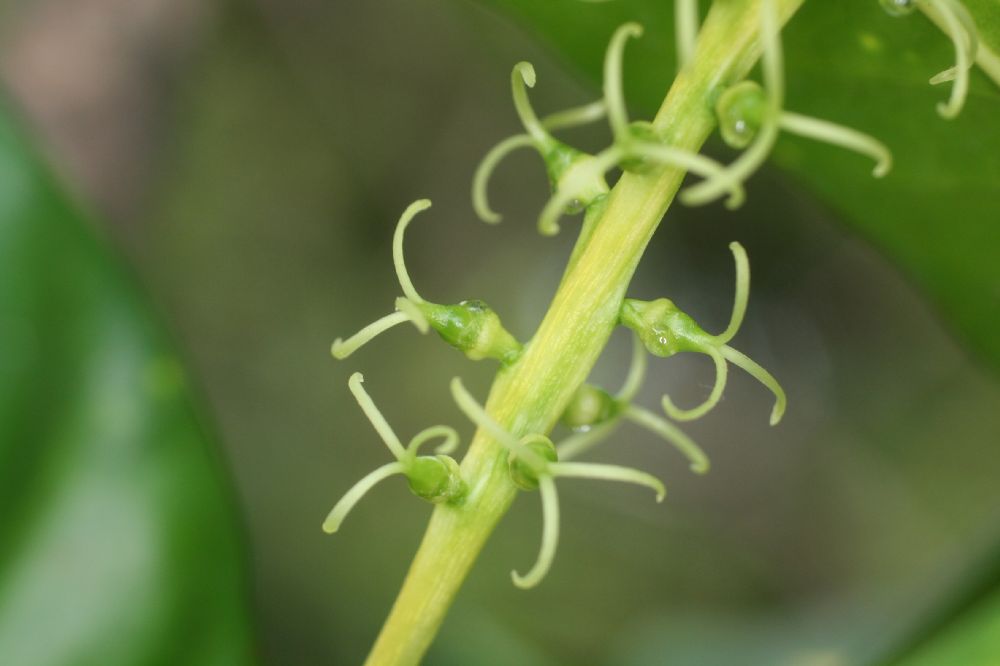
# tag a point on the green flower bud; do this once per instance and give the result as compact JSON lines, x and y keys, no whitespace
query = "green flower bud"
{"x":640,"y":131}
{"x":524,"y":474}
{"x":565,"y":165}
{"x":740,"y":111}
{"x":474,"y":328}
{"x":435,"y":478}
{"x":590,"y":406}
{"x":663,"y":328}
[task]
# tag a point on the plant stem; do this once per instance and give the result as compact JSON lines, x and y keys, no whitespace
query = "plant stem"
{"x":529,"y":396}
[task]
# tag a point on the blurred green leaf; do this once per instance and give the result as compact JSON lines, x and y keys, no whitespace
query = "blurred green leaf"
{"x":937,"y":215}
{"x":970,"y":639}
{"x":118,"y":543}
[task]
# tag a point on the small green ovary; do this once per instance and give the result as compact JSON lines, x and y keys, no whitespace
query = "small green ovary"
{"x":436,"y":479}
{"x":524,"y":474}
{"x":474,"y":328}
{"x":639,"y":131}
{"x":569,"y":167}
{"x":590,"y":406}
{"x":663,"y":328}
{"x":740,"y":111}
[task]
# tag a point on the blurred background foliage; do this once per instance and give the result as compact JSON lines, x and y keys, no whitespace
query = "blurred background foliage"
{"x":250,"y":159}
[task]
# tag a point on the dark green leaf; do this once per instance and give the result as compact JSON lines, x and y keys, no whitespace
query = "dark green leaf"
{"x":118,"y":543}
{"x":971,"y":638}
{"x":937,"y":215}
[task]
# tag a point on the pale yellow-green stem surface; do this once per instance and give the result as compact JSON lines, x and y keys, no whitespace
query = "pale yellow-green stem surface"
{"x":530,"y":395}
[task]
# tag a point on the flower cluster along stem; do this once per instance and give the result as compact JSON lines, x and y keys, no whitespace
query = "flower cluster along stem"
{"x":529,"y":395}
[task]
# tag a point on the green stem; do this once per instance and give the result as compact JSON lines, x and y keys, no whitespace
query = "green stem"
{"x":530,"y":395}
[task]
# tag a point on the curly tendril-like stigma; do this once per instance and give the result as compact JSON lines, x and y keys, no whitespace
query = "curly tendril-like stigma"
{"x":772,"y":64}
{"x":574,"y":117}
{"x":956,"y":21}
{"x":534,"y":464}
{"x":686,"y":20}
{"x":636,"y":147}
{"x":521,"y":78}
{"x":407,"y":309}
{"x":470,"y":326}
{"x":963,"y":33}
{"x":838,"y":135}
{"x":595,"y":415}
{"x":697,"y":459}
{"x":741,"y":109}
{"x":550,"y":537}
{"x":447,"y":434}
{"x":665,"y":330}
{"x":614,"y":95}
{"x":357,"y":491}
{"x":397,"y":249}
{"x":560,"y":159}
{"x":374,"y":415}
{"x":433,"y":478}
{"x":583,"y":178}
{"x":690,"y":161}
{"x":477,"y":414}
{"x":543,"y":477}
{"x":481,"y":179}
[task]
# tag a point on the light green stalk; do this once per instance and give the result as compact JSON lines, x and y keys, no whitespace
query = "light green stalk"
{"x":529,"y":395}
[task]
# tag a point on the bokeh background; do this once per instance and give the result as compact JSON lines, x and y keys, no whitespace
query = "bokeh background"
{"x":250,"y":158}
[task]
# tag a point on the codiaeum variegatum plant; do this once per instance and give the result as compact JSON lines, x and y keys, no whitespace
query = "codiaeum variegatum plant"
{"x":543,"y":382}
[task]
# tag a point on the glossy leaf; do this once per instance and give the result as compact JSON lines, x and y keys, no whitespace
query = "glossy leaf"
{"x":971,"y":638}
{"x":937,"y":215}
{"x":118,"y":542}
